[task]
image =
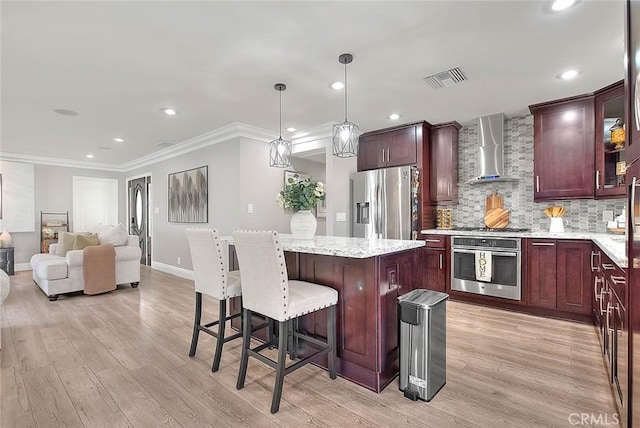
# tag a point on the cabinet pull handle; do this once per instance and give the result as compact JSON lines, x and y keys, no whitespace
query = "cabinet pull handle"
{"x":634,"y":219}
{"x":431,"y":240}
{"x":618,"y":279}
{"x":597,"y":179}
{"x":608,"y":266}
{"x":382,"y":155}
{"x":448,"y":189}
{"x":543,"y":244}
{"x":388,"y":155}
{"x":441,"y":261}
{"x":594,"y":266}
{"x":537,"y":183}
{"x":601,"y":301}
{"x":597,"y":295}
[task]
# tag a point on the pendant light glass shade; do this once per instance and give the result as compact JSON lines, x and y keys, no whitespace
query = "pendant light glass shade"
{"x":345,"y":134}
{"x":279,"y":149}
{"x":345,"y":140}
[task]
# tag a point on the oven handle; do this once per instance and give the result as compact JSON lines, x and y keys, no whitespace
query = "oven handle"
{"x":501,"y":253}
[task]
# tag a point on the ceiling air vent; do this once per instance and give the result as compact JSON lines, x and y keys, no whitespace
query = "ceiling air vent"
{"x":446,"y":78}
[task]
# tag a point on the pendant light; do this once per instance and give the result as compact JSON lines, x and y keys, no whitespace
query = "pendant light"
{"x":346,"y":134}
{"x":279,"y":149}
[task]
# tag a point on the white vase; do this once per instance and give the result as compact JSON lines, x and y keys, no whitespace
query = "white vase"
{"x":303,"y":225}
{"x":6,"y":239}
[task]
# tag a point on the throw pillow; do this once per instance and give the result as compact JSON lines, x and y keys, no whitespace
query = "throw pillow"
{"x":85,"y":240}
{"x":65,"y":242}
{"x":116,"y":235}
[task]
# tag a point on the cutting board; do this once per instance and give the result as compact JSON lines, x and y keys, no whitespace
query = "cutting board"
{"x":493,"y":201}
{"x":496,"y":218}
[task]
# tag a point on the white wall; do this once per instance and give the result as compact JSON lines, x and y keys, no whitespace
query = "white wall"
{"x":18,"y":197}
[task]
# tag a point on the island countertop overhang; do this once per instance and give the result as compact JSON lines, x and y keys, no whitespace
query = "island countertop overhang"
{"x":340,"y":246}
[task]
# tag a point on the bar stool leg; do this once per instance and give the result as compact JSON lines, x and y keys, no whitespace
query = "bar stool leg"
{"x":280,"y":368}
{"x":331,"y":338}
{"x":246,"y":342}
{"x":196,"y":325}
{"x":292,"y":344}
{"x":222,"y":323}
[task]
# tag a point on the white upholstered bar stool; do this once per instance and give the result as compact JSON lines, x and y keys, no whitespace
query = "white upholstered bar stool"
{"x":212,"y":278}
{"x":267,"y":290}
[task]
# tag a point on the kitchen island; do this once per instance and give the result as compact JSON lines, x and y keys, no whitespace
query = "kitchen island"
{"x":369,"y":275}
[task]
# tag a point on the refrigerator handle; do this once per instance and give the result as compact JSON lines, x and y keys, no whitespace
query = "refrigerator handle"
{"x":378,"y":230}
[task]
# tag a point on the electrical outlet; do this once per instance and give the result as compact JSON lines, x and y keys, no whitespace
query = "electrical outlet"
{"x":250,"y":208}
{"x":157,"y":210}
{"x":178,"y":260}
{"x":341,"y":216}
{"x":607,"y":215}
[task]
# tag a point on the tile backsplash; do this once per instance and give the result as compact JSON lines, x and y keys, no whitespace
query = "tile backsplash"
{"x":584,"y":215}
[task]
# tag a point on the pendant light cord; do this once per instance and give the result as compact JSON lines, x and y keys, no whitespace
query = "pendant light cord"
{"x":280,"y":115}
{"x":345,"y":92}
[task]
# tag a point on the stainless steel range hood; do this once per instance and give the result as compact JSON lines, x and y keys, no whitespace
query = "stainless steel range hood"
{"x":491,"y":149}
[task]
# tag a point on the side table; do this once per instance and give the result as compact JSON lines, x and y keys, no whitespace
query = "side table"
{"x":6,"y":260}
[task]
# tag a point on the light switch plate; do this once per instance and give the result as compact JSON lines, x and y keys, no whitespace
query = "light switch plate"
{"x":250,"y":208}
{"x":341,"y":216}
{"x":156,"y":210}
{"x":607,"y":215}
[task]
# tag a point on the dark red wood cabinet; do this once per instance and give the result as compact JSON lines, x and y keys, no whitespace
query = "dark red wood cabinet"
{"x":444,"y":163}
{"x":367,"y":323}
{"x":541,"y":273}
{"x":609,"y":106}
{"x":436,"y":262}
{"x":559,"y":275}
{"x":574,"y":276}
{"x":390,"y":147}
{"x":563,"y":149}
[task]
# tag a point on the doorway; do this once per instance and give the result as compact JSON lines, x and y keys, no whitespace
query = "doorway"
{"x":95,"y":201}
{"x":139,"y":190}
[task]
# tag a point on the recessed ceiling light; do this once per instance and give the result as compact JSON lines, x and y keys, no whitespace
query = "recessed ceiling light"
{"x":291,"y":129}
{"x":569,"y":74}
{"x":169,"y":111}
{"x":105,"y":148}
{"x":65,"y":112}
{"x":394,"y":116}
{"x":118,"y":140}
{"x":337,"y":85}
{"x":90,"y":156}
{"x":559,"y":5}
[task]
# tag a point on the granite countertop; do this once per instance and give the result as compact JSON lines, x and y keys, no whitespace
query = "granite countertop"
{"x":356,"y":248}
{"x":612,"y":245}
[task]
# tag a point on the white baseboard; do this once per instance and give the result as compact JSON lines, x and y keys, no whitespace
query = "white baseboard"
{"x":173,"y":270}
{"x":21,"y":266}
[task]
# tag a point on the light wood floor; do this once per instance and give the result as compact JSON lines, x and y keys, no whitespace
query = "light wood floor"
{"x":120,"y":359}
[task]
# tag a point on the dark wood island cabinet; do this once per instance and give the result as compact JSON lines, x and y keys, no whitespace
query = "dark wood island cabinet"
{"x":369,"y":279}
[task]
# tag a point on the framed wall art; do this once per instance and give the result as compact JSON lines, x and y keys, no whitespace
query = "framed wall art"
{"x":189,"y":196}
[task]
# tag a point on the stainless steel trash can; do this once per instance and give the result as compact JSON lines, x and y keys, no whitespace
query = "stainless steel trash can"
{"x":423,"y":343}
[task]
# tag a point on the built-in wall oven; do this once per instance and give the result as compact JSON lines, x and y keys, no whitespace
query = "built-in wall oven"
{"x":506,"y":271}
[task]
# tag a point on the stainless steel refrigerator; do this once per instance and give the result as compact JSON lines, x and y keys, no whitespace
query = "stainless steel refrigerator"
{"x":384,"y":203}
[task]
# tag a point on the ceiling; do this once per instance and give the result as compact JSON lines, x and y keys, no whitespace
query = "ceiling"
{"x":119,"y":63}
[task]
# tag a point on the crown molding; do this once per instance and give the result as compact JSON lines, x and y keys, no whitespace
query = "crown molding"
{"x":317,"y":133}
{"x":43,"y":160}
{"x":226,"y":133}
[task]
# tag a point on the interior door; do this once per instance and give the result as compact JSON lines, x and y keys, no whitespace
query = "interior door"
{"x":139,"y":191}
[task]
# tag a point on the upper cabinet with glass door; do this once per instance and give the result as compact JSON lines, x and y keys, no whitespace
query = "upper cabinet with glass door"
{"x":610,"y":141}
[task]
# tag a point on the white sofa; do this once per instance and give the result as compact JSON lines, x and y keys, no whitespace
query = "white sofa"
{"x":63,"y":274}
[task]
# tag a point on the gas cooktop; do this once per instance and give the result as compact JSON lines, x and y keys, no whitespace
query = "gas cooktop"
{"x":488,"y":229}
